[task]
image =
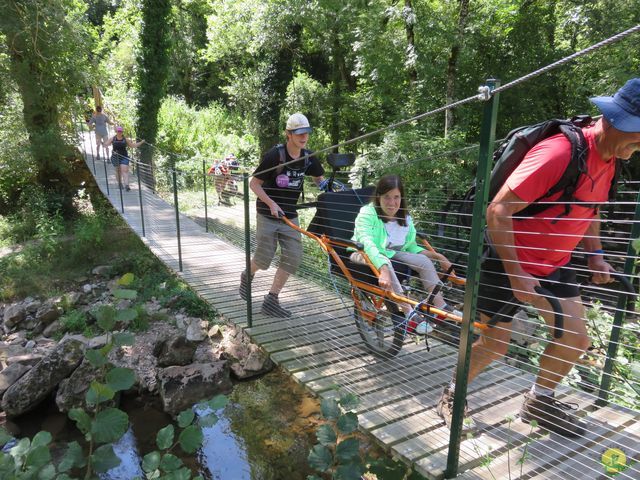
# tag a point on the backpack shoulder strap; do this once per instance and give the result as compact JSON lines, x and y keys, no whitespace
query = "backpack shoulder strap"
{"x":282,"y":158}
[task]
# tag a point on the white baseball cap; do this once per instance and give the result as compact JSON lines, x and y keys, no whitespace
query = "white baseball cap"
{"x":298,"y":123}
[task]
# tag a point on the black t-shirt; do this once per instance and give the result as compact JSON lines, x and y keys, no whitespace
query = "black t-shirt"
{"x":285,"y":187}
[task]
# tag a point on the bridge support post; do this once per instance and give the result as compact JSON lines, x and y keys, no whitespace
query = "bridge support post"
{"x":618,"y":319}
{"x":247,"y":244}
{"x":487,"y":139}
{"x":204,"y":190}
{"x":175,"y":202}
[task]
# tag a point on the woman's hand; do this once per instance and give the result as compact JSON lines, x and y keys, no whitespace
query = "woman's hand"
{"x":385,"y":277}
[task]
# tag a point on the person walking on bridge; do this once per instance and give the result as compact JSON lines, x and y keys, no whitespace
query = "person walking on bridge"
{"x":278,"y":185}
{"x":533,"y":251}
{"x":99,"y":120}
{"x":120,"y":156}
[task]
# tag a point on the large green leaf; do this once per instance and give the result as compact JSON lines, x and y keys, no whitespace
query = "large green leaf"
{"x":20,"y":449}
{"x":47,"y":473}
{"x":164,"y":438}
{"x":326,"y":435}
{"x":73,"y":457}
{"x":351,"y":471}
{"x":218,"y":402}
{"x":126,"y":315}
{"x":4,"y":437}
{"x":330,"y":409}
{"x":38,"y":456}
{"x":126,"y":279}
{"x":185,"y":418}
{"x":320,"y":458}
{"x":120,"y":379}
{"x":41,"y":438}
{"x":96,"y":358}
{"x":347,"y":423}
{"x":105,"y":317}
{"x":208,"y":420}
{"x":98,"y":393}
{"x":104,"y":459}
{"x":151,"y":461}
{"x":190,"y":439}
{"x":83,"y":421}
{"x":348,"y":450}
{"x":348,"y":401}
{"x":125,"y":294}
{"x":121,"y":339}
{"x":183,"y":474}
{"x":170,"y":463}
{"x":109,"y":425}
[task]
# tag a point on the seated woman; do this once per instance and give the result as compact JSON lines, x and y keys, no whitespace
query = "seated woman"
{"x":385,"y":229}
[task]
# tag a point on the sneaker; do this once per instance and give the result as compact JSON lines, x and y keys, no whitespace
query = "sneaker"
{"x":243,"y":284}
{"x":424,"y":328}
{"x":445,"y":410}
{"x":271,"y":306}
{"x":552,"y":415}
{"x":415,"y":325}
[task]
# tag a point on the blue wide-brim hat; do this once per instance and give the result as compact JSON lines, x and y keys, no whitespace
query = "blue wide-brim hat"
{"x":622,"y":110}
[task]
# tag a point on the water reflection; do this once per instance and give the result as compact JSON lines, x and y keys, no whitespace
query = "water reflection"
{"x":130,"y":461}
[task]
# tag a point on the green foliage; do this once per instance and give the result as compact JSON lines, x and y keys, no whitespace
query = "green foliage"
{"x":74,"y":321}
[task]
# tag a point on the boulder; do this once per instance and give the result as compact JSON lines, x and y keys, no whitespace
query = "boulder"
{"x":52,"y":329}
{"x":72,"y":299}
{"x":175,"y":351}
{"x":48,"y":312}
{"x":182,"y":387}
{"x":31,"y":305}
{"x":245,"y":359}
{"x":196,"y":330}
{"x":39,"y":382}
{"x":14,"y":314}
{"x":71,"y":391}
{"x":28,"y":359}
{"x":10,"y":375}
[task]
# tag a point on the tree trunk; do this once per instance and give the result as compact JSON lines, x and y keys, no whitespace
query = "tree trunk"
{"x":412,"y":72}
{"x":452,"y":65}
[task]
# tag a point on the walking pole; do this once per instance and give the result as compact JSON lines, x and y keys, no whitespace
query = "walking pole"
{"x":140,"y":198}
{"x":204,"y":184}
{"x":175,"y":201}
{"x":247,"y":245}
{"x":487,"y":138}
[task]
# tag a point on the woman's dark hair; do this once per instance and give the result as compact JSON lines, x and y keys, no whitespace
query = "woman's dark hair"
{"x":98,"y":109}
{"x":386,"y":184}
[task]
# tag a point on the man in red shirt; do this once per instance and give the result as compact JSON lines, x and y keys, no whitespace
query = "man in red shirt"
{"x":536,"y":251}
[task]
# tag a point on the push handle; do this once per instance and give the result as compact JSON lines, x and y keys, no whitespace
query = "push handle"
{"x":510,"y":307}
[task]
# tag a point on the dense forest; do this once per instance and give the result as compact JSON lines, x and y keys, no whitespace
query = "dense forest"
{"x":202,"y":78}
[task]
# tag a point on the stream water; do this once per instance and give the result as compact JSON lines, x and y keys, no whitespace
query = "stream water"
{"x":264,"y":432}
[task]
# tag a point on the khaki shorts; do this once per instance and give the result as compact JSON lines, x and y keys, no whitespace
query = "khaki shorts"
{"x":271,"y":232}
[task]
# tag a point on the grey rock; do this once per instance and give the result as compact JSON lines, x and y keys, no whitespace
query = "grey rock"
{"x":197,"y":330}
{"x":29,"y":359}
{"x":72,"y":299}
{"x":52,"y":329}
{"x":39,"y":382}
{"x":245,"y":359}
{"x":175,"y":351}
{"x":102,"y":270}
{"x":30,"y":345}
{"x":71,"y":391}
{"x":14,"y":314}
{"x":87,"y":288}
{"x":29,"y":323}
{"x":48,"y":312}
{"x":182,"y":387}
{"x":32,"y":305}
{"x":11,"y":374}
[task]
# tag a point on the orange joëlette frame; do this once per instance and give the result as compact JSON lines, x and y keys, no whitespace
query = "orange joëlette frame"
{"x":327,"y":243}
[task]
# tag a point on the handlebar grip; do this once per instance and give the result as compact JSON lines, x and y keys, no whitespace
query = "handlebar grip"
{"x":557,"y":310}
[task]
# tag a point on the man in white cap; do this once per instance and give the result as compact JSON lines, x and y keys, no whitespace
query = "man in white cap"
{"x":535,"y":250}
{"x":278,"y":185}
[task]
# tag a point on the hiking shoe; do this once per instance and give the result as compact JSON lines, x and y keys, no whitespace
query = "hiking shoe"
{"x":424,"y":328}
{"x":445,"y":410}
{"x":552,"y":415}
{"x":416,"y":324}
{"x":243,"y":284}
{"x":271,"y":306}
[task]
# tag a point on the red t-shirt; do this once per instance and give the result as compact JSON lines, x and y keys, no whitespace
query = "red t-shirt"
{"x":545,"y":242}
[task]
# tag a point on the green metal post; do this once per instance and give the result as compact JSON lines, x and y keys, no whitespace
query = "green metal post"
{"x":204,"y":189}
{"x":106,"y":176}
{"x":247,"y":244}
{"x":175,"y":201}
{"x":487,"y":138}
{"x":141,"y":203}
{"x":618,"y":319}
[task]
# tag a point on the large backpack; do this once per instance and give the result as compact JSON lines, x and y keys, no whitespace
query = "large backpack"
{"x":514,"y":148}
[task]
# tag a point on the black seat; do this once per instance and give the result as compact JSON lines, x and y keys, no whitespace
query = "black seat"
{"x":335,"y":217}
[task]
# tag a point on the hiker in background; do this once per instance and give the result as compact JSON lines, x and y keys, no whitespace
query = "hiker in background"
{"x":535,"y":250}
{"x":120,"y":156}
{"x":278,"y":186}
{"x":99,"y":121}
{"x":386,"y":230}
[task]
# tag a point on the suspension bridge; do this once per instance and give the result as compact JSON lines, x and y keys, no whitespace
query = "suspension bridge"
{"x":319,"y":345}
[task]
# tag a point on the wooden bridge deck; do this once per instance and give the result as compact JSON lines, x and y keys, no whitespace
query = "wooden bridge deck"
{"x":320,"y":348}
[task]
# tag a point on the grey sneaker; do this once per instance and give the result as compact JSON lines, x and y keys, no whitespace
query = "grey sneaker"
{"x":271,"y":306}
{"x":445,"y":410}
{"x":552,"y":415}
{"x":243,"y":284}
